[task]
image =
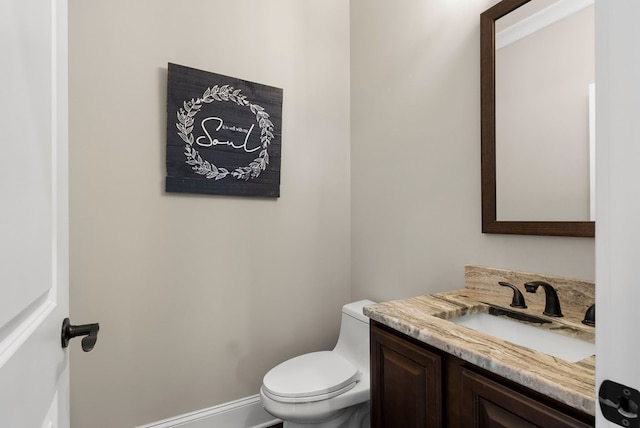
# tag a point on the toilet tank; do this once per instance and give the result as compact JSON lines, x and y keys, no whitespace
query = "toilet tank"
{"x":353,"y":342}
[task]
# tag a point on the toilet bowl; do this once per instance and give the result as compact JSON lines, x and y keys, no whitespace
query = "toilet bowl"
{"x":326,"y":389}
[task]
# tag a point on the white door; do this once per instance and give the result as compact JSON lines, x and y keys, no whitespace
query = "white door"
{"x":618,"y":207}
{"x":34,"y":375}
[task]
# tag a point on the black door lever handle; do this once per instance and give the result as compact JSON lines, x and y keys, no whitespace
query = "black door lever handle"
{"x":70,"y":331}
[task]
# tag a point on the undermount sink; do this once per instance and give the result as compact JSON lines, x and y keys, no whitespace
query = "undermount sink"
{"x":558,"y":345}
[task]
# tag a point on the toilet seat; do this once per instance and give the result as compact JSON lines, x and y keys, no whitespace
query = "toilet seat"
{"x":310,"y":377}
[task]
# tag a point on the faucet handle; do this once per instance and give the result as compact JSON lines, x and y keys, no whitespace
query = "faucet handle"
{"x":517,"y":301}
{"x":590,"y":316}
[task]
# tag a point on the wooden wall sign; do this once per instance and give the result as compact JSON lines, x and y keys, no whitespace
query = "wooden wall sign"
{"x":223,"y":134}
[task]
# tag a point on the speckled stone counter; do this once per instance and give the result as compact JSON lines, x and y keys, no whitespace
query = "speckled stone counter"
{"x":425,"y":318}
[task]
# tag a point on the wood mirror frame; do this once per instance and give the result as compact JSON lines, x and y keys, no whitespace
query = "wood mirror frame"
{"x":490,"y":224}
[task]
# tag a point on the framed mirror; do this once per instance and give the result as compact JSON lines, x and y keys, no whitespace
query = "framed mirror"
{"x":537,"y":118}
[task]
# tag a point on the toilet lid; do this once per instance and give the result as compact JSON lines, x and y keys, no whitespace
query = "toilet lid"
{"x":309,"y":375}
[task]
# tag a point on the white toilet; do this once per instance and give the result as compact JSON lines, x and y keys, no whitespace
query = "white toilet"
{"x":327,"y":389}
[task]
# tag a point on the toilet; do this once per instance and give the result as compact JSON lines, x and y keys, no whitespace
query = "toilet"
{"x":326,"y":389}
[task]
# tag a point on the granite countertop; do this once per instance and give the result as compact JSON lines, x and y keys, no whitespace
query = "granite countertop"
{"x":425,"y":318}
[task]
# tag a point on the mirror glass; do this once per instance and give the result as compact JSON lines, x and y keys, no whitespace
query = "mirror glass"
{"x":538,"y":117}
{"x":544,"y":69}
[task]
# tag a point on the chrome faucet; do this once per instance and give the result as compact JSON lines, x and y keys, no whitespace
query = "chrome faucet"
{"x":552,"y":303}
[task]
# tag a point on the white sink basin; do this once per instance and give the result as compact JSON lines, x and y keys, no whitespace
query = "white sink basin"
{"x":568,"y":348}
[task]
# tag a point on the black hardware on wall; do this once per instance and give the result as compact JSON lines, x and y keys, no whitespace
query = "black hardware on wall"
{"x":619,"y":403}
{"x":89,"y":330}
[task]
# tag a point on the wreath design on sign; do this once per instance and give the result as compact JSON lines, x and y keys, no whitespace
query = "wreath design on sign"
{"x":190,"y":109}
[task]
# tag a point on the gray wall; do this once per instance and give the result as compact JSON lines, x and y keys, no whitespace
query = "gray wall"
{"x":198,"y":296}
{"x":415,"y":156}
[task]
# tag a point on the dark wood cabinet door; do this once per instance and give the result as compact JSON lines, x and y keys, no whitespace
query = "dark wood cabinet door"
{"x":490,"y":404}
{"x":406,"y":383}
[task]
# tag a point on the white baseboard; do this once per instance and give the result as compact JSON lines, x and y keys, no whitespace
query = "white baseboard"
{"x":243,"y":413}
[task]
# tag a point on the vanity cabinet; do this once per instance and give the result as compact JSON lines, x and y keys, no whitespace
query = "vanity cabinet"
{"x":488,"y":403}
{"x":406,"y":383}
{"x":415,"y":385}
